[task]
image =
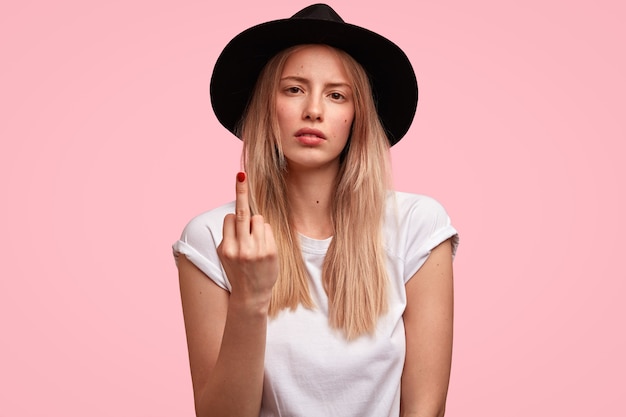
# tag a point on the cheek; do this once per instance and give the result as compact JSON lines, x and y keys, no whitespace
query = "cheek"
{"x":286,"y":111}
{"x":282,"y":115}
{"x":347,"y":120}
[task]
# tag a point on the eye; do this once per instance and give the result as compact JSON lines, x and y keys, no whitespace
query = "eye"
{"x":337,"y":96}
{"x":293,"y":90}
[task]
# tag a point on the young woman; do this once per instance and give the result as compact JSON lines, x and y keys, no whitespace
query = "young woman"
{"x":318,"y":291}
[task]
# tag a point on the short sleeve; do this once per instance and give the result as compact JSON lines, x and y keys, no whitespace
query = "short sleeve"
{"x":424,"y":224}
{"x":199,"y":241}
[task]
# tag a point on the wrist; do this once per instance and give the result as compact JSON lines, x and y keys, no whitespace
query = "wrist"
{"x":250,"y":305}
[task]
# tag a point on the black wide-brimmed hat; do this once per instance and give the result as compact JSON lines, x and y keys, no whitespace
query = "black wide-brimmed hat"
{"x":391,"y":75}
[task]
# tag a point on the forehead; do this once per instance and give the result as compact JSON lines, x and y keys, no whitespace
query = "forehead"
{"x":315,"y":60}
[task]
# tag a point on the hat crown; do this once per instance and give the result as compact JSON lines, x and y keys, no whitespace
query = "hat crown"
{"x":318,"y":12}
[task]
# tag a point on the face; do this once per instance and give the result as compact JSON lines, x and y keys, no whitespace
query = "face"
{"x":315,"y":108}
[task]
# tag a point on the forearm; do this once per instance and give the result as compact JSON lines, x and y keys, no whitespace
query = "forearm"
{"x":235,"y":385}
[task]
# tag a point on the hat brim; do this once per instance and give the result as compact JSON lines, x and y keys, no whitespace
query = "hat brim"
{"x":391,"y":74}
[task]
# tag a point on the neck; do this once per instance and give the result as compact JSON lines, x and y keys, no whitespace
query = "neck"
{"x":310,"y":196}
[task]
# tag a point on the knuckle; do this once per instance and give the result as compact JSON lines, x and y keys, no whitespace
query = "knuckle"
{"x":241,"y":213}
{"x":247,"y":255}
{"x":241,"y":189}
{"x":226,"y":252}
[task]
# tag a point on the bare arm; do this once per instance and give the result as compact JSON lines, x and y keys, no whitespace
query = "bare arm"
{"x":226,"y":333}
{"x":428,"y":323}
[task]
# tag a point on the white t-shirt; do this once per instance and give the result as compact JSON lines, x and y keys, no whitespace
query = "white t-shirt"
{"x":310,"y":369}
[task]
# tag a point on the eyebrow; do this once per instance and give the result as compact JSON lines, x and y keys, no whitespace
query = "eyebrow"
{"x":303,"y":80}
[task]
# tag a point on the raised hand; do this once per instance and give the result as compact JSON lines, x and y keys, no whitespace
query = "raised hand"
{"x":248,"y":252}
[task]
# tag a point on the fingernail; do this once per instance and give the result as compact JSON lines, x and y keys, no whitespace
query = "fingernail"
{"x":241,"y":177}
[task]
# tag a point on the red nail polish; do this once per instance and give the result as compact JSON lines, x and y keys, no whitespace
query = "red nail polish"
{"x":241,"y":177}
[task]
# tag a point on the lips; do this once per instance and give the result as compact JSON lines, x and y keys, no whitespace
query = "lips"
{"x":310,"y":137}
{"x":310,"y":133}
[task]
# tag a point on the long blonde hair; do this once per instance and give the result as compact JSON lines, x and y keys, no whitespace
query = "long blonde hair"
{"x":354,"y":273}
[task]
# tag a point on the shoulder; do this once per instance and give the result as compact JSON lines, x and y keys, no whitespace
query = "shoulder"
{"x":200,"y":239}
{"x":414,"y":225}
{"x":203,"y":233}
{"x":210,"y":220}
{"x":414,"y":208}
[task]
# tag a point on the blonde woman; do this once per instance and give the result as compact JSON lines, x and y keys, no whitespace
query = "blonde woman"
{"x":318,"y":291}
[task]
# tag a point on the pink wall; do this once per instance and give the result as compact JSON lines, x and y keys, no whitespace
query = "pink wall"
{"x":109,"y":147}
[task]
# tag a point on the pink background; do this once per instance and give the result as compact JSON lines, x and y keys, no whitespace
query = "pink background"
{"x":109,"y":147}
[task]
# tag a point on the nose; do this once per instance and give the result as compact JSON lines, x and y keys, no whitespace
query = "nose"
{"x":313,"y":109}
